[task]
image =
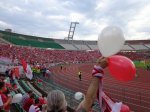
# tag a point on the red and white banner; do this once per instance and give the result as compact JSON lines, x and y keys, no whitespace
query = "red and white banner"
{"x":27,"y":69}
{"x":28,"y":73}
{"x":24,"y":65}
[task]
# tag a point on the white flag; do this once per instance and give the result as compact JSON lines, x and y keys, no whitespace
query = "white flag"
{"x":29,"y":74}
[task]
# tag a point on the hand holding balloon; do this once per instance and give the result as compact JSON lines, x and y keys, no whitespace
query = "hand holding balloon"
{"x":102,"y":62}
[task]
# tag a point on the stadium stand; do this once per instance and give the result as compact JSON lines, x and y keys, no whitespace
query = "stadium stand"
{"x":148,"y":45}
{"x":65,"y":44}
{"x":127,"y":47}
{"x":3,"y":41}
{"x":24,"y":40}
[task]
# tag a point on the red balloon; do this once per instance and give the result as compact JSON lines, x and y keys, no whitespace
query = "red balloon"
{"x":121,"y":68}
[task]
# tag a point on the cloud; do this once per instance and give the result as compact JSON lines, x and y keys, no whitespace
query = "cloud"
{"x":5,"y":25}
{"x":51,"y":18}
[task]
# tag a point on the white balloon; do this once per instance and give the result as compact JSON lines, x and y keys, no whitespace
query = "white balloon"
{"x":17,"y":98}
{"x":78,"y":95}
{"x":110,"y":41}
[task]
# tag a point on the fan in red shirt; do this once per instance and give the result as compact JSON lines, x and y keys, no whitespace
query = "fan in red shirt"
{"x":28,"y":103}
{"x":5,"y":99}
{"x":43,"y":99}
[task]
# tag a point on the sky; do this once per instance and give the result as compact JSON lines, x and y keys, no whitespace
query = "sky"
{"x":52,"y":18}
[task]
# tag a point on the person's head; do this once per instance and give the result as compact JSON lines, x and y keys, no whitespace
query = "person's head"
{"x":32,"y":96}
{"x":36,"y":101}
{"x":30,"y":92}
{"x":2,"y":86}
{"x":56,"y":101}
{"x":44,"y":95}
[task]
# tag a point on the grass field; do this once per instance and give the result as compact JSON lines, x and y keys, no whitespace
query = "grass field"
{"x":141,"y":64}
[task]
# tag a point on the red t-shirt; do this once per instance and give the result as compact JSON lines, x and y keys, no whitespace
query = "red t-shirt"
{"x":15,"y":87}
{"x":42,"y":101}
{"x":27,"y":104}
{"x":4,"y":100}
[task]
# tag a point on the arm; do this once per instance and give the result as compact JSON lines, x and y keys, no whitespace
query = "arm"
{"x":91,"y":94}
{"x":8,"y":101}
{"x":92,"y":90}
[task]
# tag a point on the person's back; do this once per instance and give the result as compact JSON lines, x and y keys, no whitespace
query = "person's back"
{"x":25,"y":97}
{"x":28,"y":103}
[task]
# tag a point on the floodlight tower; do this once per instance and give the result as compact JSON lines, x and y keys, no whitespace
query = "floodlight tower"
{"x":72,"y":30}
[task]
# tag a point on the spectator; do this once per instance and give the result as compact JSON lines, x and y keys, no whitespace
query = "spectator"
{"x":48,"y":74}
{"x":56,"y":99}
{"x":5,"y":99}
{"x":35,"y":107}
{"x":28,"y":103}
{"x":25,"y":97}
{"x":43,"y":99}
{"x":16,"y":88}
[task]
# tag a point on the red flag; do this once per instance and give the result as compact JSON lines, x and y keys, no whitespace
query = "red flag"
{"x":24,"y":64}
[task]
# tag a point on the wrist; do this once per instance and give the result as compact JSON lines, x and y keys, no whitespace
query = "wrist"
{"x":97,"y":71}
{"x":98,"y":67}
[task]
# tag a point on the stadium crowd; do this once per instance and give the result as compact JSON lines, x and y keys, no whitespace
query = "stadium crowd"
{"x":55,"y":101}
{"x":136,"y":55}
{"x":44,"y":56}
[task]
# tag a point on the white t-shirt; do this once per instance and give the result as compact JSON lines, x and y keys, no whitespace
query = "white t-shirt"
{"x":1,"y":102}
{"x":34,"y":109}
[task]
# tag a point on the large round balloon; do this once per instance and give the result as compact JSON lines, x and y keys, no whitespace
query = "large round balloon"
{"x":17,"y":98}
{"x":110,"y":41}
{"x":122,"y":68}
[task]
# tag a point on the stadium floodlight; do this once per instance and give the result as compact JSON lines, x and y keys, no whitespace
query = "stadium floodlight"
{"x":72,"y":30}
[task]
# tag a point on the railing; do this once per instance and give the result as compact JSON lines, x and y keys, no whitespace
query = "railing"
{"x":138,"y":101}
{"x":68,"y":93}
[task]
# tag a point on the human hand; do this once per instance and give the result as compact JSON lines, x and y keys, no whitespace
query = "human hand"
{"x":98,"y":68}
{"x":102,"y":62}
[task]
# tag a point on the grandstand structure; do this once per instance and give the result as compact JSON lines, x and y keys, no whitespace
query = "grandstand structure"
{"x":41,"y":42}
